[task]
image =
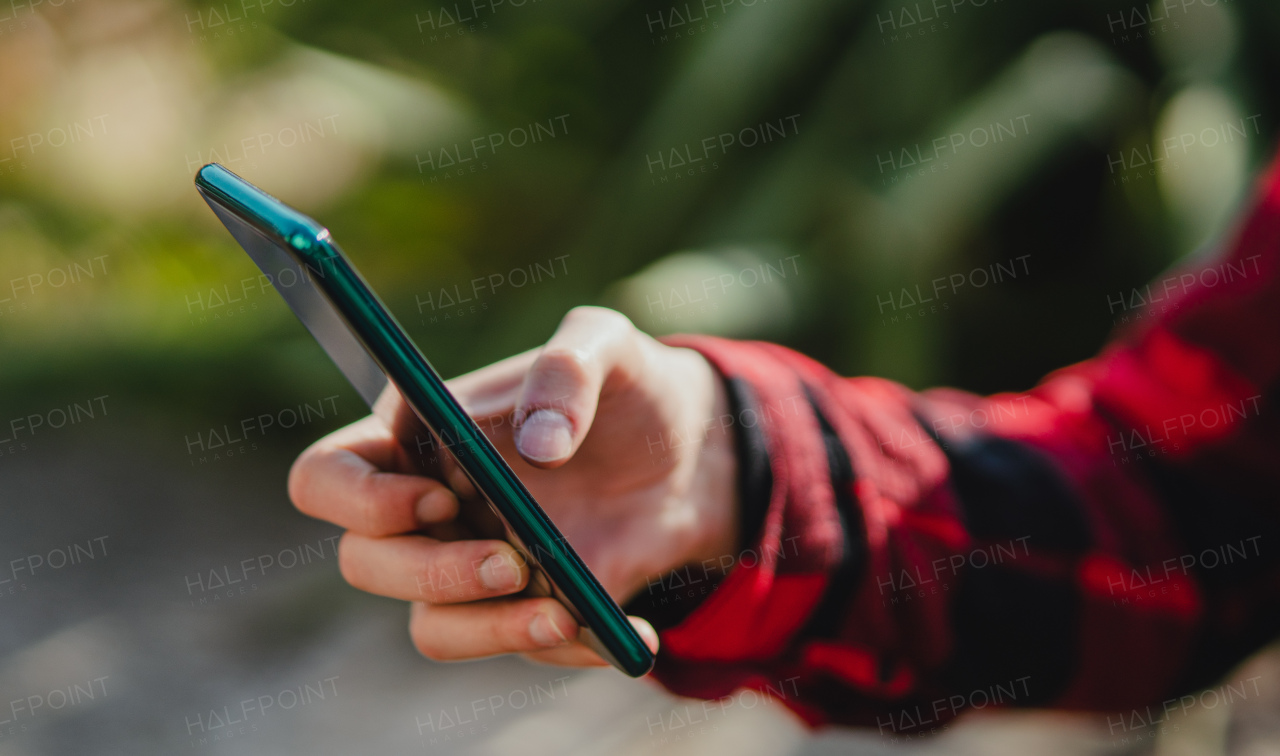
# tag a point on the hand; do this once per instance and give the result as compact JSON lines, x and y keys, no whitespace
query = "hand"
{"x":617,"y":437}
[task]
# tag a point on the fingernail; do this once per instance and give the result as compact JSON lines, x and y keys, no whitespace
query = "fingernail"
{"x":497,"y":573}
{"x":545,"y":632}
{"x":434,"y":506}
{"x":545,"y":436}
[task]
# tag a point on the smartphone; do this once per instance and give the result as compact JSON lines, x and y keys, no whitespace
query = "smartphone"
{"x":375,"y":354}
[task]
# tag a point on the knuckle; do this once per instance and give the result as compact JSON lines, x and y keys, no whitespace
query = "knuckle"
{"x":428,"y":579}
{"x":565,"y":359}
{"x":599,"y":316}
{"x":564,"y":364}
{"x":512,"y":630}
{"x":367,"y":506}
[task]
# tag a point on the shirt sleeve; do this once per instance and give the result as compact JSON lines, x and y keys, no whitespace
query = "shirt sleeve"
{"x":1105,"y":541}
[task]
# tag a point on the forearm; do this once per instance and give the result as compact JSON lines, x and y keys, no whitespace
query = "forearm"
{"x":916,"y":548}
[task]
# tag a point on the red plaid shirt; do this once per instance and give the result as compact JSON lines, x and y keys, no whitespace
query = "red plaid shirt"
{"x":1104,"y":541}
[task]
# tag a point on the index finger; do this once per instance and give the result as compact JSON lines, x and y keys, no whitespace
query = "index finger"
{"x":348,"y":478}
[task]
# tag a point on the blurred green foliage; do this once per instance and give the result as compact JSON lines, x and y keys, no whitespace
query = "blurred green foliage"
{"x":859,"y":81}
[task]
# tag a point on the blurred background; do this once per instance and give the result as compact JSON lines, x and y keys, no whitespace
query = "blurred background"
{"x":801,"y":171}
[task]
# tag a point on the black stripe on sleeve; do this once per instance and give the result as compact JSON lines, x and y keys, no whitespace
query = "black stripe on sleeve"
{"x":755,"y":477}
{"x":827,"y":617}
{"x":1010,"y":625}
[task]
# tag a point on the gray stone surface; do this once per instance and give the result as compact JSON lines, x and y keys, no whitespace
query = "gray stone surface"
{"x":128,"y":652}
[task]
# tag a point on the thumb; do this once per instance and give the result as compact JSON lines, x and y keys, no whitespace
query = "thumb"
{"x":559,"y":396}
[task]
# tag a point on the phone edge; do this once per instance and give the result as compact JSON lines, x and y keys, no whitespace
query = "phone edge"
{"x":302,"y":237}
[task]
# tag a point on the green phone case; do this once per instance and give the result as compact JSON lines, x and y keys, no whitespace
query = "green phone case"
{"x":358,"y":332}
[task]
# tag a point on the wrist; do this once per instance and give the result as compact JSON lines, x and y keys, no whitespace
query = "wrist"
{"x":713,"y":493}
{"x":694,"y":520}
